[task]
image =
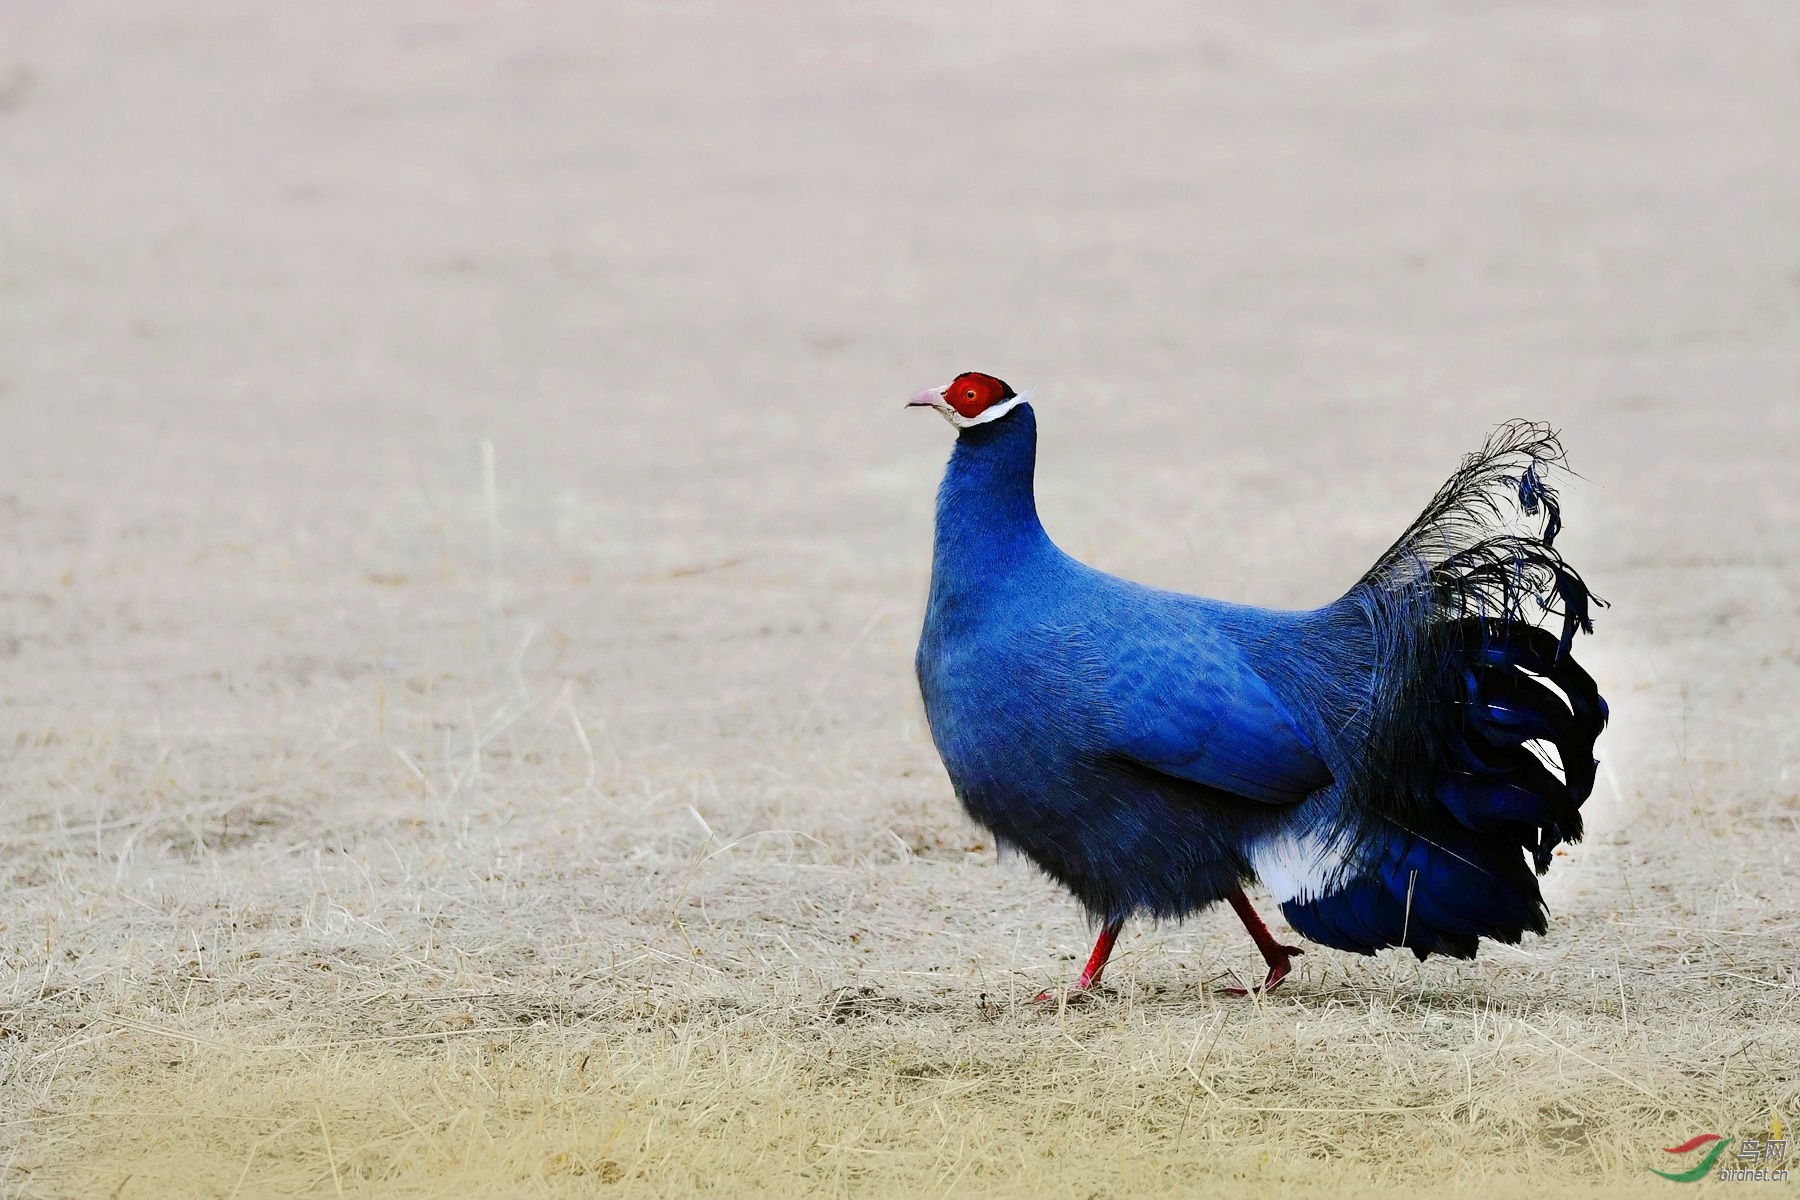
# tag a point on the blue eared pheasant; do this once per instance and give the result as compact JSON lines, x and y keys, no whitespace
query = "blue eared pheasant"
{"x":1378,"y":764}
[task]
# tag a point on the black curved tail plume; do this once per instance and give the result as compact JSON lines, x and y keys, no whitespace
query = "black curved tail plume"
{"x":1458,"y":604}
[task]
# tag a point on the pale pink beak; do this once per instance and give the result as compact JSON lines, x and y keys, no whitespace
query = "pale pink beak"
{"x":929,"y":398}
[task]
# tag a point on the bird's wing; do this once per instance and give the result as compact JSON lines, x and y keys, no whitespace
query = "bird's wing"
{"x":1194,"y":709}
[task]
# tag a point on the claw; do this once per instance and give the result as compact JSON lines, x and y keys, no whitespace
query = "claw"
{"x":1090,"y":975}
{"x":1278,"y":971}
{"x":1274,"y":953}
{"x":1077,"y":995}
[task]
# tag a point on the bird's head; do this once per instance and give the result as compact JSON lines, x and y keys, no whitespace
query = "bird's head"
{"x":970,"y":399}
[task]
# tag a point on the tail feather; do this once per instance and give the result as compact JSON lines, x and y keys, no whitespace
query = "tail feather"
{"x":1556,"y":815}
{"x":1533,"y":648}
{"x":1447,"y":795}
{"x":1512,"y":709}
{"x":1459,"y":597}
{"x":1498,"y":806}
{"x":1437,"y":894}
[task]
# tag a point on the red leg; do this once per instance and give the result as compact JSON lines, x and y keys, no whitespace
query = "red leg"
{"x":1273,"y":952}
{"x":1096,"y":965}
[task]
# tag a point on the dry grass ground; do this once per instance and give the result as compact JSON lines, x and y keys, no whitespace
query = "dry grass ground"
{"x":462,"y":552}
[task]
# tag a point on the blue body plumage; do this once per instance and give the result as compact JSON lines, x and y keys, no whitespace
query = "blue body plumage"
{"x":1371,"y":762}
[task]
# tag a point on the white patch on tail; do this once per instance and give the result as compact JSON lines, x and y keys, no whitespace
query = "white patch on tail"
{"x":1301,"y":866}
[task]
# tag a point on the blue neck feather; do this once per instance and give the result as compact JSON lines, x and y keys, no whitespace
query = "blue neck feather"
{"x":988,"y":532}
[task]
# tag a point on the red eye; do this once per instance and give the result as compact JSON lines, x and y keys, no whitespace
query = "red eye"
{"x":969,"y":395}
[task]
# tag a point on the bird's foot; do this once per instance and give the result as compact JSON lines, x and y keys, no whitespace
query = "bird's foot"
{"x":1076,"y":995}
{"x":1090,"y":974}
{"x":1279,"y":966}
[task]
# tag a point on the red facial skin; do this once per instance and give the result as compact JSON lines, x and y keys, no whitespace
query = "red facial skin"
{"x":973,"y":393}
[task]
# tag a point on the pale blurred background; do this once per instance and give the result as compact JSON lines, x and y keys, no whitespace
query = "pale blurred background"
{"x":271,"y":273}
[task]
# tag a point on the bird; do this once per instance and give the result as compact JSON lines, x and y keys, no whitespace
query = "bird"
{"x":1397,"y":767}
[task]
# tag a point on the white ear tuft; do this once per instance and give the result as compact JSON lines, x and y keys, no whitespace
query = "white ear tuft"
{"x":990,"y":414}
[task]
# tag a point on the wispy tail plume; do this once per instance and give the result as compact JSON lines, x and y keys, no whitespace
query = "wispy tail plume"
{"x":1458,"y":603}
